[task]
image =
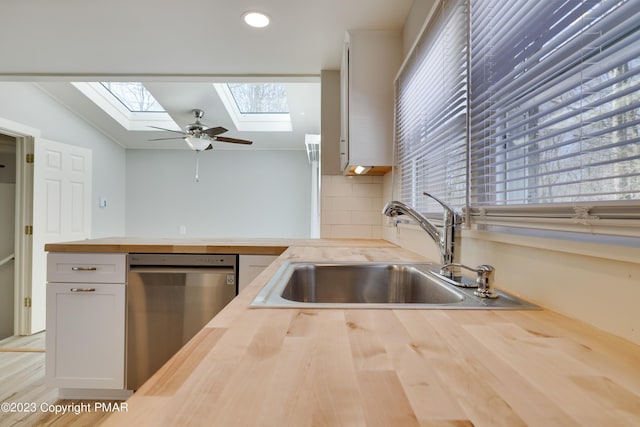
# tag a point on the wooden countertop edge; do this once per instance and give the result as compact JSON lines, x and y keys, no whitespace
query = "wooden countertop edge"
{"x":204,"y":246}
{"x":189,"y":249}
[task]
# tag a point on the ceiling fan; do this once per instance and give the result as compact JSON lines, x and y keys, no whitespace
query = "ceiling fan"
{"x":199,"y":136}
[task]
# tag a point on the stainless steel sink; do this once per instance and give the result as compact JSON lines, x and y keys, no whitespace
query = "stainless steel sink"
{"x":372,"y":285}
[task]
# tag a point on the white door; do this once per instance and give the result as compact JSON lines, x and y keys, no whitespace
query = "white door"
{"x":61,"y":210}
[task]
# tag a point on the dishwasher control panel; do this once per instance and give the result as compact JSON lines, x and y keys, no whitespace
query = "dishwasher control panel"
{"x":183,"y":260}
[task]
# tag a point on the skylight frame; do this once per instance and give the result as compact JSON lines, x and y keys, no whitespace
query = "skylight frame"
{"x":252,"y":122}
{"x":130,"y":120}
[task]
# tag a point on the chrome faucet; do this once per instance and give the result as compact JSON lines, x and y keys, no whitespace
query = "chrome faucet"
{"x":447,"y":237}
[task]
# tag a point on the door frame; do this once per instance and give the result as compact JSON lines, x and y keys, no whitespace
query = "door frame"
{"x":23,"y":245}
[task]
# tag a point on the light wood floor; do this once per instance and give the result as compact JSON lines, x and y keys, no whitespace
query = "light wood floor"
{"x":22,"y":381}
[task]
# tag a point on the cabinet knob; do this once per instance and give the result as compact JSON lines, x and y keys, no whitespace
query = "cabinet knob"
{"x":84,"y":268}
{"x":83,"y":289}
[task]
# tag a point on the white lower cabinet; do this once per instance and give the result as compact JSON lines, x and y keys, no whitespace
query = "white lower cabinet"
{"x":250,"y":266}
{"x":85,"y":331}
{"x":85,"y":339}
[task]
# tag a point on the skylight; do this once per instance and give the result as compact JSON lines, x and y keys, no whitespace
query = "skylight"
{"x":128,"y":103}
{"x":134,"y":96}
{"x":260,"y":98}
{"x":257,"y":107}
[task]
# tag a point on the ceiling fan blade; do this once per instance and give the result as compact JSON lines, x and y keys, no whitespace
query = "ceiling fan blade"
{"x":232,"y":140}
{"x":164,"y":139}
{"x":214,"y":131}
{"x":169,"y":130}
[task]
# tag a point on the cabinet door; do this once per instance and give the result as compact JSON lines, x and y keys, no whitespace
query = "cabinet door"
{"x":85,"y":335}
{"x":250,"y":266}
{"x":370,"y":62}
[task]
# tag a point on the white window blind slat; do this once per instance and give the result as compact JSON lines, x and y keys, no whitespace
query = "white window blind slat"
{"x":431,"y":113}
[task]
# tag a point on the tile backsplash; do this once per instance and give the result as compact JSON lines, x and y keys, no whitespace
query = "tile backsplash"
{"x":351,"y":207}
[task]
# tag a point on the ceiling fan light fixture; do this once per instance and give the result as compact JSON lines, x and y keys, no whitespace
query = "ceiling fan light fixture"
{"x":256,"y":19}
{"x":197,"y":143}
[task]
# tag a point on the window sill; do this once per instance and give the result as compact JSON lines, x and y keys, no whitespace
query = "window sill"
{"x":577,"y":245}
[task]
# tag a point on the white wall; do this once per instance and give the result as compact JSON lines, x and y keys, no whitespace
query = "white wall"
{"x":26,"y":104}
{"x":419,"y":13}
{"x":241,"y":193}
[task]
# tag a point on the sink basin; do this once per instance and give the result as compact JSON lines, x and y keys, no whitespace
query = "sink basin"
{"x":371,"y":285}
{"x":375,"y":283}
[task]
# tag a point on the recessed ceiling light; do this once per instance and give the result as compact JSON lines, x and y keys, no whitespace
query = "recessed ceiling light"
{"x":256,"y":19}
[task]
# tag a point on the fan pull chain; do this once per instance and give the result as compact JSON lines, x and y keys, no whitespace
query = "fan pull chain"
{"x":197,"y":166}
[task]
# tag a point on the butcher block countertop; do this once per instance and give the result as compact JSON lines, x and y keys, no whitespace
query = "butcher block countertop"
{"x":330,"y":367}
{"x":168,"y":245}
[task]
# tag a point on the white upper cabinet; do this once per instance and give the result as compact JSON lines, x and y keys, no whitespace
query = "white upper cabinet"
{"x":370,"y":62}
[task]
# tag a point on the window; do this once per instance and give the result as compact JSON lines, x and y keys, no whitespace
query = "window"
{"x":134,"y":96}
{"x":555,"y":111}
{"x":431,"y":105}
{"x":551,"y":123}
{"x":256,"y":106}
{"x":259,"y":98}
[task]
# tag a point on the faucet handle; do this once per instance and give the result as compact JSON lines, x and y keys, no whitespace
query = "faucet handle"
{"x":449,"y":211}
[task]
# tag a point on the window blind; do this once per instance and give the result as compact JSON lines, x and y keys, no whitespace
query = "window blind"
{"x":555,"y":110}
{"x":430,"y":114}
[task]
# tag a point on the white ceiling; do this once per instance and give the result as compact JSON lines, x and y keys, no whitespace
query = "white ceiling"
{"x":179,"y":48}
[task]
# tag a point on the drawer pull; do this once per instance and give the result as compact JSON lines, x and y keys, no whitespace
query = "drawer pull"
{"x":84,"y":268}
{"x":83,"y":289}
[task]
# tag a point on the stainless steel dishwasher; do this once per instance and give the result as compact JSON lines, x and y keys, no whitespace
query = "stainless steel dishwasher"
{"x":170,"y":297}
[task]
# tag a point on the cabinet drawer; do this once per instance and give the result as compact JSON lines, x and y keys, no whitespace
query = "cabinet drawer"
{"x":86,"y":268}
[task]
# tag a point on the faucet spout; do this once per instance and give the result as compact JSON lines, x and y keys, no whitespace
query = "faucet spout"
{"x":395,"y":208}
{"x":446,"y":237}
